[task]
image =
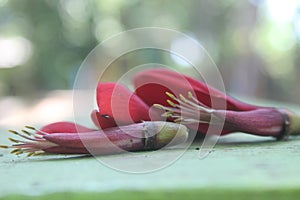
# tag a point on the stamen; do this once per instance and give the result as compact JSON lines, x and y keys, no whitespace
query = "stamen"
{"x":19,"y":152}
{"x":35,"y":135}
{"x":30,"y":154}
{"x":31,"y":128}
{"x":169,"y":109}
{"x":26,"y":132}
{"x":38,"y":153}
{"x":38,"y":132}
{"x":187,"y":111}
{"x":15,"y":151}
{"x":198,"y":104}
{"x":187,"y":104}
{"x":23,"y":136}
{"x":172,"y":104}
{"x":33,"y":144}
{"x":14,"y":140}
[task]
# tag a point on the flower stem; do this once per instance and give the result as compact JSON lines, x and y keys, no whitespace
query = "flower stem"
{"x":292,"y":122}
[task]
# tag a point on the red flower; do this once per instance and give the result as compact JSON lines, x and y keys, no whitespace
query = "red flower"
{"x":167,"y":89}
{"x":70,"y":138}
{"x":117,"y":106}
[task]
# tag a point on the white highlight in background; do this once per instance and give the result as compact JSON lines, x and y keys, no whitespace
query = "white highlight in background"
{"x":14,"y":51}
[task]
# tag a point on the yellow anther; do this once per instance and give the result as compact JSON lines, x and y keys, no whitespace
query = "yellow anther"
{"x":13,"y":132}
{"x":30,"y":127}
{"x":14,"y":140}
{"x":171,"y":103}
{"x":170,"y":95}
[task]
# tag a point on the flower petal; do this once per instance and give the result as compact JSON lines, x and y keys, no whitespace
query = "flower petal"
{"x":115,"y":101}
{"x":151,"y":86}
{"x":65,"y":127}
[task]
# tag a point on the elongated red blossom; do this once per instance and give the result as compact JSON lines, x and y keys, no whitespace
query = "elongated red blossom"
{"x":174,"y":93}
{"x":134,"y":137}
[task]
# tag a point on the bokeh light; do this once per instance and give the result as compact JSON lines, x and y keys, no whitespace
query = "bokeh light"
{"x":14,"y":51}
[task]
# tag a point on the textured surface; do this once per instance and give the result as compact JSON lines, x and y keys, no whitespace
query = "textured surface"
{"x":238,"y":163}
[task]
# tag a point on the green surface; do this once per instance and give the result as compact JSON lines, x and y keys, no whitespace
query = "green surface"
{"x":171,"y":194}
{"x":239,"y":164}
{"x":258,"y":165}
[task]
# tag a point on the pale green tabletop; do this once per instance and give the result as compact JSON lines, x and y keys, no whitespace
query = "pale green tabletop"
{"x":238,"y":165}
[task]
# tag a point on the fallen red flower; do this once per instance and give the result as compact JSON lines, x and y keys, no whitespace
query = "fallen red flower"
{"x":118,"y":106}
{"x":64,"y":139}
{"x":196,"y":110}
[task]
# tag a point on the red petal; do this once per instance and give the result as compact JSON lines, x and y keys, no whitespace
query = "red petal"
{"x":117,"y":102}
{"x":152,"y":84}
{"x":65,"y":127}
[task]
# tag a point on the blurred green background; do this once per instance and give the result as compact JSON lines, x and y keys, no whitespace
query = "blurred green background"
{"x":255,"y":43}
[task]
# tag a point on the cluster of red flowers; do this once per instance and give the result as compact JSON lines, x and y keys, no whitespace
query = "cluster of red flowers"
{"x":159,"y":95}
{"x":165,"y":89}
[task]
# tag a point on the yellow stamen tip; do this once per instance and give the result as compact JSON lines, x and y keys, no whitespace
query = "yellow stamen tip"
{"x":30,"y":127}
{"x":19,"y":152}
{"x":15,"y":151}
{"x":38,"y":153}
{"x":14,"y":132}
{"x":26,"y":132}
{"x":30,"y":154}
{"x":170,"y":95}
{"x":3,"y":146}
{"x":171,"y":103}
{"x":182,"y":97}
{"x":13,"y":140}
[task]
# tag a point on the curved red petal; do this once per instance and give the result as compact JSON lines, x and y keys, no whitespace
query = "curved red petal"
{"x":65,"y":127}
{"x":152,"y":84}
{"x":117,"y":102}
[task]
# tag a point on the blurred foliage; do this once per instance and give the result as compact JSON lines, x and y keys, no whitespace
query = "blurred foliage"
{"x":256,"y":53}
